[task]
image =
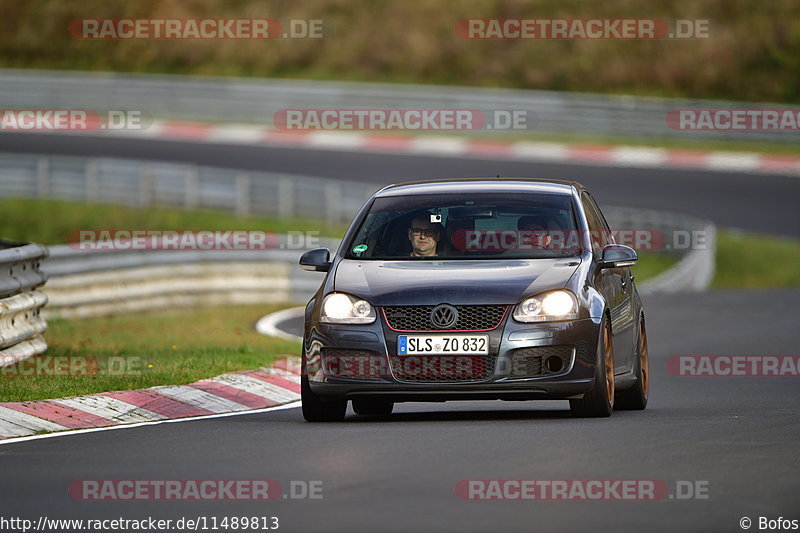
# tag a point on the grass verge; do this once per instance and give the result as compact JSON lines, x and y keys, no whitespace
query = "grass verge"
{"x":143,"y":350}
{"x":753,"y":261}
{"x":651,"y":264}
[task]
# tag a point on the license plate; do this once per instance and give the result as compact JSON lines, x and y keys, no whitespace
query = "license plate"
{"x":442,"y":344}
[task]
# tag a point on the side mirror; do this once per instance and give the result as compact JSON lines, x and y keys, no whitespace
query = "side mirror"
{"x":617,"y":255}
{"x":318,"y":260}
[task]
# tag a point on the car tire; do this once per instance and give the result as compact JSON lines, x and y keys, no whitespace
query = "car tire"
{"x":373,"y":407}
{"x":599,"y":402}
{"x":317,"y":410}
{"x":635,"y":398}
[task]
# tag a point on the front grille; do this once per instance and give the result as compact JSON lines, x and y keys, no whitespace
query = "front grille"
{"x":470,"y":317}
{"x":442,"y":368}
{"x":353,"y":364}
{"x":540,"y":361}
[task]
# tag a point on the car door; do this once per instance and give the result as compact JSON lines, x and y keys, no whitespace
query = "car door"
{"x":611,"y":284}
{"x":623,"y":320}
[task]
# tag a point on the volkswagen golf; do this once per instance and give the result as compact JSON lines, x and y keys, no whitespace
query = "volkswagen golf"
{"x":469,"y":289}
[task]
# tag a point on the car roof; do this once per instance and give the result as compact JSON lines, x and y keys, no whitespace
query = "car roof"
{"x":480,"y":185}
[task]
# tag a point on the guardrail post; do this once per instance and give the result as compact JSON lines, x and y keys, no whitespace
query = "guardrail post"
{"x":145,"y":186}
{"x":43,"y":177}
{"x":190,"y":188}
{"x":91,"y":180}
{"x":333,"y":202}
{"x":242,"y":194}
{"x":285,"y":197}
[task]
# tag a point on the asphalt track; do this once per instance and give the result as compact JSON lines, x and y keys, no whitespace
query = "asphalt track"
{"x":736,"y":436}
{"x":756,"y":202}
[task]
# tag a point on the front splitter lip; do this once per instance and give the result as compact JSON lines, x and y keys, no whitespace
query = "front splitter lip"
{"x":528,"y":390}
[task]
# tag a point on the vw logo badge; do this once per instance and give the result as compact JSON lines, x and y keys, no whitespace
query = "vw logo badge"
{"x":444,"y":316}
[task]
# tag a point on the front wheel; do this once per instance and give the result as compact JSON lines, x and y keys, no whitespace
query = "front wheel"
{"x":317,"y":410}
{"x":635,"y":398}
{"x":599,"y":402}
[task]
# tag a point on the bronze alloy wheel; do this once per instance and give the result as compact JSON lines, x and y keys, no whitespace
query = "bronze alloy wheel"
{"x":599,"y":402}
{"x":608,"y":355}
{"x":635,"y":398}
{"x":644,"y":360}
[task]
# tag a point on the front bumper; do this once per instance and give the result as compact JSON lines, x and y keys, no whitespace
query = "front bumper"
{"x":378,"y":345}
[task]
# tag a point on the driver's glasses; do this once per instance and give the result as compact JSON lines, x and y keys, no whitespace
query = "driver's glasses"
{"x":427,"y":232}
{"x":538,"y":231}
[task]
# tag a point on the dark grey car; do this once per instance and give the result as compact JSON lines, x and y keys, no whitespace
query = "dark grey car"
{"x":471,"y":289}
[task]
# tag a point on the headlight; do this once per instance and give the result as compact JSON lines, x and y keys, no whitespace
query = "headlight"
{"x":553,"y":305}
{"x":339,"y":308}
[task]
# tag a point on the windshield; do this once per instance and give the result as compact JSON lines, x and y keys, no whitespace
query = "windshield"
{"x":467,"y":226}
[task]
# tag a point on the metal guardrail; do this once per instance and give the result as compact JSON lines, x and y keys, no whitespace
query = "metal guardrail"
{"x":146,"y":183}
{"x":65,"y":260}
{"x":148,"y":288}
{"x":21,"y":325}
{"x":92,"y":283}
{"x":693,"y":273}
{"x":257,"y":100}
{"x":696,"y":247}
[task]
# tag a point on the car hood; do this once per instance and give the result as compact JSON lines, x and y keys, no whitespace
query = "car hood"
{"x":456,"y":282}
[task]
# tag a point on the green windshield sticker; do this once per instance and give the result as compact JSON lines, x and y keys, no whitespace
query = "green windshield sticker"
{"x":360,"y":248}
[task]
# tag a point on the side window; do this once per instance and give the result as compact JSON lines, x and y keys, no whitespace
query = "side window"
{"x":597,"y":227}
{"x":608,"y":235}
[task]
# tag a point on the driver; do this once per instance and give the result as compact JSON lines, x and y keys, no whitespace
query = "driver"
{"x":424,"y":236}
{"x":540,"y":237}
